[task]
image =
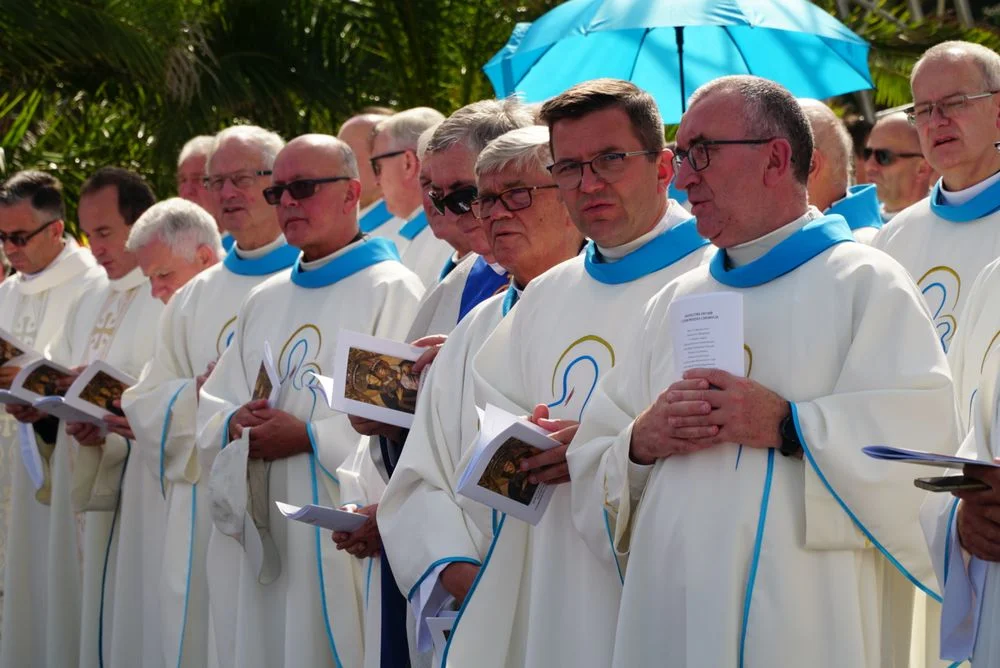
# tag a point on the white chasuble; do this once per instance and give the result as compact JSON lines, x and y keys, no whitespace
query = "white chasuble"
{"x":439,"y":309}
{"x":737,"y":556}
{"x":944,"y":247}
{"x":40,"y":542}
{"x":543,"y":598}
{"x":311,"y":615}
{"x":195,"y":329}
{"x":424,"y":253}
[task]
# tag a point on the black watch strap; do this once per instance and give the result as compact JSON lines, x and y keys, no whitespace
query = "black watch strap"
{"x":791,"y":446}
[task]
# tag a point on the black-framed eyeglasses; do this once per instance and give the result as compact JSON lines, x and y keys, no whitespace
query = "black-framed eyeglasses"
{"x":375,"y":159}
{"x":459,"y":201}
{"x":241,"y":179}
{"x":21,"y":239}
{"x":698,"y":155}
{"x":514,"y":199}
{"x":300,"y":189}
{"x":568,"y":174}
{"x":885,"y":156}
{"x":920,"y":114}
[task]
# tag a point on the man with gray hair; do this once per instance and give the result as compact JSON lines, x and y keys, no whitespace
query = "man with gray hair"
{"x":754,"y":491}
{"x":195,"y":330}
{"x":191,"y":176}
{"x":830,"y":174}
{"x":309,"y":611}
{"x":895,"y":164}
{"x":356,"y":132}
{"x":397,"y":169}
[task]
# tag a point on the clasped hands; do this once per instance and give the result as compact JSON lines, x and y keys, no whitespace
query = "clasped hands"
{"x":275,"y":434}
{"x":705,"y":408}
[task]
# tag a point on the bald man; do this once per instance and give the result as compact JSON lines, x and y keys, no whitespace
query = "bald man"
{"x":831,"y":173}
{"x":356,"y":132}
{"x":896,"y":165}
{"x":302,"y":607}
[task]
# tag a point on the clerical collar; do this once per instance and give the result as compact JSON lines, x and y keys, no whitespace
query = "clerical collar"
{"x":415,"y":224}
{"x":672,"y":215}
{"x":263,"y":261}
{"x":798,"y":242}
{"x":242,"y":254}
{"x":745,"y":253}
{"x":970,"y":204}
{"x":959,"y":197}
{"x":887,"y":215}
{"x":352,"y":258}
{"x":132,"y":279}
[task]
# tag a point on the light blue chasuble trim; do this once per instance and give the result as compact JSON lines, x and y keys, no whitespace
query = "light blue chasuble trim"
{"x":376,"y":218}
{"x":280,"y":258}
{"x":414,"y":227}
{"x":227,"y":241}
{"x":509,"y":299}
{"x":676,"y":243}
{"x":796,"y":250}
{"x":983,"y":204}
{"x":860,"y":208}
{"x":367,"y":253}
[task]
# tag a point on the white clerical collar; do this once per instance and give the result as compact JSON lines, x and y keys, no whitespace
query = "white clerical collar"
{"x":958,"y":197}
{"x":132,"y":279}
{"x":323,"y":261}
{"x":746,"y":253}
{"x":256,"y":253}
{"x":887,"y":215}
{"x":674,"y":214}
{"x":69,"y":247}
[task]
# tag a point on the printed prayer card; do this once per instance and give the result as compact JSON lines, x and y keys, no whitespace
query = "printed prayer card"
{"x":707,"y":332}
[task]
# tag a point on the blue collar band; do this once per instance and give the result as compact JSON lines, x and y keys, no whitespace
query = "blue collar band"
{"x":981,"y":205}
{"x":509,"y":299}
{"x":481,"y":284}
{"x":796,"y":250}
{"x":365,"y":254}
{"x":449,"y":266}
{"x":676,"y":243}
{"x":376,"y":218}
{"x":282,"y":257}
{"x":860,"y":207}
{"x":414,"y":227}
{"x":227,"y":241}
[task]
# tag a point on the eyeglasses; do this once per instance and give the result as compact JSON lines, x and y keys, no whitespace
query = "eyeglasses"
{"x":241,"y":180}
{"x":568,"y":174}
{"x":21,"y":239}
{"x":376,"y":167}
{"x":698,"y":155}
{"x":886,"y":157}
{"x":514,"y":199}
{"x":301,"y":189}
{"x":920,"y":114}
{"x":459,"y":202}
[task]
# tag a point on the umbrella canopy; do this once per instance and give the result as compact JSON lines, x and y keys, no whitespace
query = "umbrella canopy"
{"x":792,"y":42}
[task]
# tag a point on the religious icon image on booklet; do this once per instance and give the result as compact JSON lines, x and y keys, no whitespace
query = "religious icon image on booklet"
{"x":503,"y":474}
{"x":38,"y":379}
{"x":10,"y":347}
{"x":97,"y":388}
{"x":268,"y":383}
{"x":373,"y":378}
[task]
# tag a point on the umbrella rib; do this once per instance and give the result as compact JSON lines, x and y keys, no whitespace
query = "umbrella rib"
{"x":738,"y":49}
{"x":638,"y":50}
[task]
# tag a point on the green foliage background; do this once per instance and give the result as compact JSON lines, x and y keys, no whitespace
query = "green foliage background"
{"x":86,"y":83}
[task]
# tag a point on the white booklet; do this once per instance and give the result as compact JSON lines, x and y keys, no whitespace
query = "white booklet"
{"x":493,"y":475}
{"x":97,"y":388}
{"x":707,"y":332}
{"x":322,"y":516}
{"x":373,"y":378}
{"x":13,"y":350}
{"x":891,"y":454}
{"x":36,"y":380}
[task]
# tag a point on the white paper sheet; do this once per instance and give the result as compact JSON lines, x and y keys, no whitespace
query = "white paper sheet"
{"x":707,"y":332}
{"x":322,"y":516}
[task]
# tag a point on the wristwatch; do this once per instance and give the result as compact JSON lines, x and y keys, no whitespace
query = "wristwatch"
{"x":791,"y":446}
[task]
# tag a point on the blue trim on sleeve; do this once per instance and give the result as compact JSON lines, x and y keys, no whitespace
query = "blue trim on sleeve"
{"x":319,"y":569}
{"x":368,"y":579}
{"x":432,"y":567}
{"x":947,"y":541}
{"x":611,"y":542}
{"x":187,"y":585}
{"x":757,"y":544}
{"x":163,"y":436}
{"x":868,"y":534}
{"x":225,"y":428}
{"x":107,"y":557}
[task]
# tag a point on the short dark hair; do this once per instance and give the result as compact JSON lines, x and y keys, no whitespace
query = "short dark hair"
{"x":859,"y":128}
{"x":134,"y":194}
{"x":43,"y":191}
{"x":600,"y":94}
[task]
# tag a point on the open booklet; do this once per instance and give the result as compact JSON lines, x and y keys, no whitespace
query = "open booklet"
{"x":493,"y":475}
{"x":13,"y":350}
{"x":96,"y":390}
{"x":891,"y":454}
{"x":373,"y":378}
{"x":322,"y":516}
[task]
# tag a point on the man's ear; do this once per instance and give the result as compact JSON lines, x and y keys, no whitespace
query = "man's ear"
{"x":664,"y":169}
{"x":206,"y":256}
{"x":779,"y":161}
{"x":352,"y":195}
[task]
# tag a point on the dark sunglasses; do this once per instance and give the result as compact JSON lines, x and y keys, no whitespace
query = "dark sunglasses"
{"x":886,"y":157}
{"x":301,"y":189}
{"x":459,"y":202}
{"x":376,"y":167}
{"x":21,"y":239}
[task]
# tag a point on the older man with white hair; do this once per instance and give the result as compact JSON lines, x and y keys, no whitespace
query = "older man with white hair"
{"x":191,"y":177}
{"x":310,"y":613}
{"x":831,"y":172}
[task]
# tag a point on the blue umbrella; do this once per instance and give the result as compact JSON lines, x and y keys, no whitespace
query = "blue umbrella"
{"x":668,"y":47}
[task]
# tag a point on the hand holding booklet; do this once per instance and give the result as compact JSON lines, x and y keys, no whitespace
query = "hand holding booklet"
{"x":323,"y":517}
{"x":96,"y":390}
{"x":13,"y":350}
{"x":493,"y":475}
{"x":35,"y":381}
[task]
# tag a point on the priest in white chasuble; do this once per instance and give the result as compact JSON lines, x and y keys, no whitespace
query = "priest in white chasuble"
{"x":41,"y":572}
{"x":754,"y":489}
{"x":945,"y":240}
{"x":429,"y":528}
{"x":195,"y":329}
{"x":311,"y":613}
{"x":612,"y":171}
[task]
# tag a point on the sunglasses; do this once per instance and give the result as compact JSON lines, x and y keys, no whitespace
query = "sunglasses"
{"x":21,"y":239}
{"x":301,"y":189}
{"x":376,"y":167}
{"x":459,"y":202}
{"x":886,"y":157}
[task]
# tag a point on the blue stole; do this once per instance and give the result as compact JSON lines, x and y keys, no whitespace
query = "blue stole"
{"x":366,"y":253}
{"x":659,"y":253}
{"x":796,"y":250}
{"x":378,"y":216}
{"x":860,"y":207}
{"x":414,"y":227}
{"x":282,"y":257}
{"x":983,"y":204}
{"x":481,"y":284}
{"x":509,"y":299}
{"x":227,"y":241}
{"x":449,"y":266}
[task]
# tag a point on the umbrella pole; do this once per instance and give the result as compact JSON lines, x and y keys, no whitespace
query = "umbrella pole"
{"x":679,"y":37}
